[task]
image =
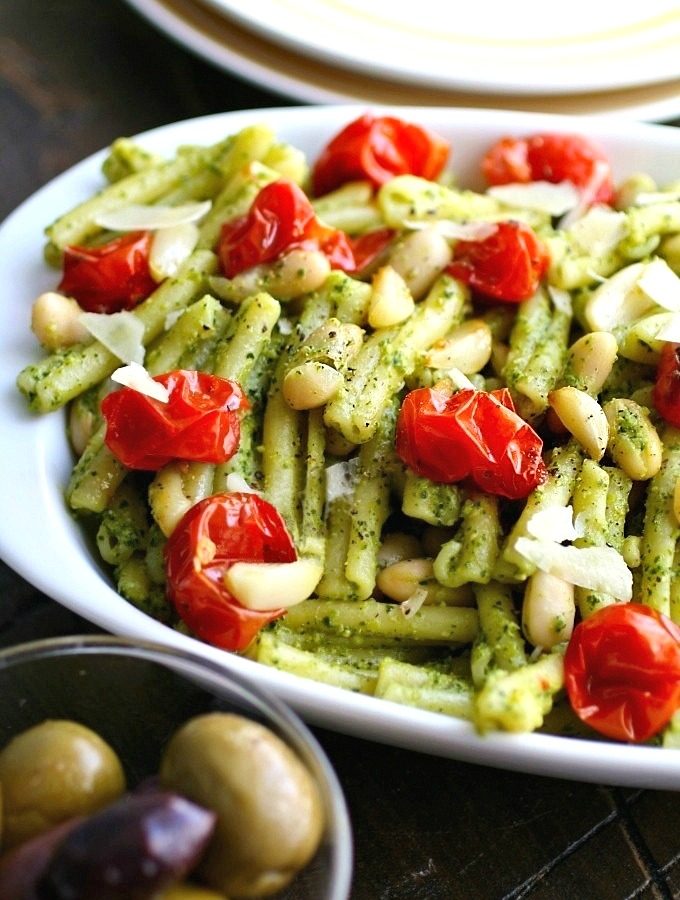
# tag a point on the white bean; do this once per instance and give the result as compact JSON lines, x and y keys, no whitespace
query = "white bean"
{"x":55,"y":320}
{"x":583,"y":417}
{"x":420,"y":258}
{"x":467,"y":348}
{"x":391,"y":301}
{"x":548,"y":610}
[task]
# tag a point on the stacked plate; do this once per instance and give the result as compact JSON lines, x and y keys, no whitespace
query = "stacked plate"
{"x":523,"y":56}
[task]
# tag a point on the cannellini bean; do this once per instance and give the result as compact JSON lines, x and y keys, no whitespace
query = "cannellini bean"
{"x":634,"y":443}
{"x":547,"y":610}
{"x":398,"y":546}
{"x":391,"y":301}
{"x":591,"y":358}
{"x":399,"y":580}
{"x":263,"y":586}
{"x":55,"y":321}
{"x":467,"y":348}
{"x":420,"y":258}
{"x":296,"y":273}
{"x":583,"y":417}
{"x":80,"y":427}
{"x":310,"y":385}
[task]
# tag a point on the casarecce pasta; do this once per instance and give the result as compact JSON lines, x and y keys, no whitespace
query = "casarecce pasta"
{"x":457,"y":594}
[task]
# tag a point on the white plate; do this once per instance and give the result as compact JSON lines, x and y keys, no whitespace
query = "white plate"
{"x":245,"y":53}
{"x":524,"y":48}
{"x":41,"y":541}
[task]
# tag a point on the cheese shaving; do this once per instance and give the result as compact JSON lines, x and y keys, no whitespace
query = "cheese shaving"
{"x":459,"y":380}
{"x":170,"y":248}
{"x":600,"y":569}
{"x":647,"y":198}
{"x":667,"y":327}
{"x":456,"y":231}
{"x":138,"y":379}
{"x":661,"y":284}
{"x":554,"y":523}
{"x":599,"y":230}
{"x":285,"y":326}
{"x":412,"y":604}
{"x":121,"y":333}
{"x":140,"y":217}
{"x":588,"y":194}
{"x":541,"y":196}
{"x":561,"y":300}
{"x":341,"y":478}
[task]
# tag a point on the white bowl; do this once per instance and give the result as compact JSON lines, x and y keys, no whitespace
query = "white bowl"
{"x":39,"y":538}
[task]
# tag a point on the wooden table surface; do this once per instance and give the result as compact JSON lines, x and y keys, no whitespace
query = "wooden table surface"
{"x":73,"y":76}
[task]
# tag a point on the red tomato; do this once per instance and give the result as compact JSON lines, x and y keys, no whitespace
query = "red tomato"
{"x":667,"y":387}
{"x":470,"y":433}
{"x":366,"y":248}
{"x":551,"y":157}
{"x":212,"y":535}
{"x":281,"y":218}
{"x":376,"y":148}
{"x":508,"y":265}
{"x":622,"y":671}
{"x":199,"y":422}
{"x":111,"y":277}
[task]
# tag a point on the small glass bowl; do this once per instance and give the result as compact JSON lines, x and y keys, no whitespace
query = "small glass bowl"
{"x":136,"y":695}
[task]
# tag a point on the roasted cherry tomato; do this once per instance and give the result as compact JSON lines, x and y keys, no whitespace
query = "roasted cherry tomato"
{"x":551,"y":157}
{"x":366,"y":248}
{"x":212,"y":535}
{"x":508,"y":265}
{"x":448,"y":437}
{"x":376,"y":148}
{"x":199,"y":422}
{"x":281,"y":218}
{"x":667,"y":387}
{"x":111,"y":277}
{"x":622,"y":671}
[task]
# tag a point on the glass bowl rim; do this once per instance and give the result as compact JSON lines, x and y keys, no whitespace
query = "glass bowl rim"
{"x":286,"y":721}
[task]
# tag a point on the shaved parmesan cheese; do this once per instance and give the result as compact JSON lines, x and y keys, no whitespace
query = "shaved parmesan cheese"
{"x":647,"y":198}
{"x":172,"y":318}
{"x":588,"y":193}
{"x":120,"y":332}
{"x":661,"y":283}
{"x":285,"y":326}
{"x":599,"y":230}
{"x":595,"y":568}
{"x":237,"y":484}
{"x":459,"y":380}
{"x":554,"y":523}
{"x":412,"y":604}
{"x":137,"y":378}
{"x":542,"y":196}
{"x":618,"y":300}
{"x":457,"y":231}
{"x":341,"y":478}
{"x":666,"y":327}
{"x":170,"y":248}
{"x":561,"y":300}
{"x":139,"y":217}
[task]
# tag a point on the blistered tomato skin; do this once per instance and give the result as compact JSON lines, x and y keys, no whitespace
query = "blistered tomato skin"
{"x":281,"y":218}
{"x":200,"y":421}
{"x":470,"y":434}
{"x":212,"y":535}
{"x":376,"y":149}
{"x":550,"y":157}
{"x":112,"y":277}
{"x":622,"y":671}
{"x":667,"y":385}
{"x":508,"y":265}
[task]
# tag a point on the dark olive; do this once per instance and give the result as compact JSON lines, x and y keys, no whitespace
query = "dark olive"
{"x":53,"y":772}
{"x":134,"y":848}
{"x":22,"y":867}
{"x":269,"y":812}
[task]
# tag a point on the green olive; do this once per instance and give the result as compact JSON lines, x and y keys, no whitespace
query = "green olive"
{"x":54,"y":771}
{"x":269,"y":811}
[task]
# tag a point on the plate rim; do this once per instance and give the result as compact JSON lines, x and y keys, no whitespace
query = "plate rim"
{"x":35,"y":457}
{"x":348,"y":57}
{"x":180,"y":25}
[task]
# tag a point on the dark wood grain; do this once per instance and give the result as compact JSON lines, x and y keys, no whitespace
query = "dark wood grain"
{"x":73,"y":76}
